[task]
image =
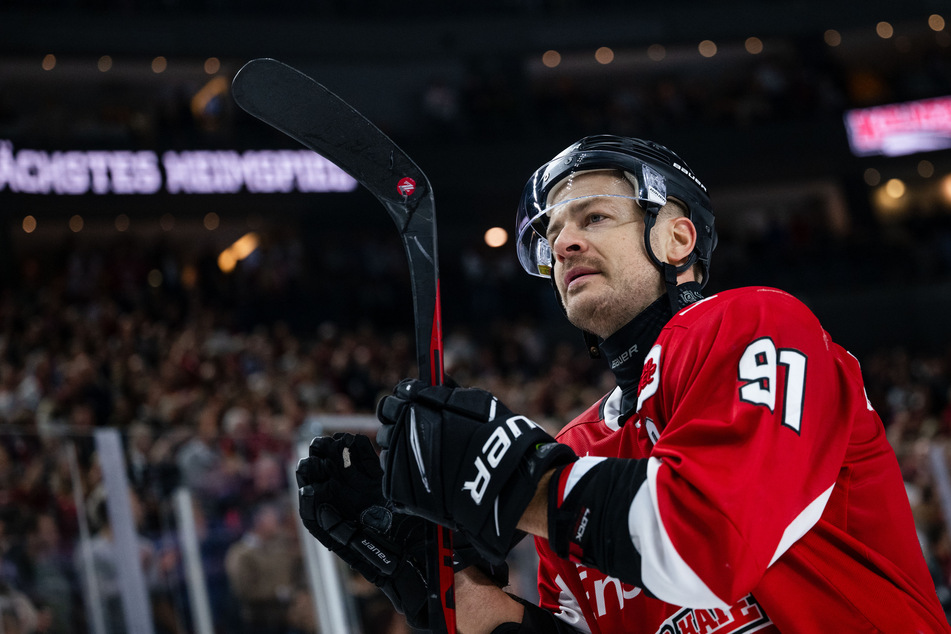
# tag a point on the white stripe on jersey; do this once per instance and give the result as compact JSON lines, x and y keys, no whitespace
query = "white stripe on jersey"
{"x":580,"y":467}
{"x":803,"y":522}
{"x":663,"y":571}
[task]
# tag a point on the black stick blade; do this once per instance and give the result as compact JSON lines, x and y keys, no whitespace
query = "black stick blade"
{"x":290,"y":101}
{"x":304,"y":110}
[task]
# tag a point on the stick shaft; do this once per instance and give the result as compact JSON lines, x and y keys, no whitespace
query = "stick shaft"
{"x":303,"y":109}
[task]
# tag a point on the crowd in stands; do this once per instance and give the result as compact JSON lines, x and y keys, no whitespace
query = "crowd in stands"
{"x":215,"y":404}
{"x":202,"y":402}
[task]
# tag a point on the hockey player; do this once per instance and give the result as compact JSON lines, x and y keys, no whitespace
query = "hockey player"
{"x":736,"y":480}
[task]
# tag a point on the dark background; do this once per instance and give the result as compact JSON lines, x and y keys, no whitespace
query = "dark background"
{"x":462,"y":89}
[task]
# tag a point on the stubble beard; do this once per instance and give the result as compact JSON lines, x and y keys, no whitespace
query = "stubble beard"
{"x":603,"y":311}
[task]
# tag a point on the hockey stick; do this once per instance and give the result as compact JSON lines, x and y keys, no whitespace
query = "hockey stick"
{"x":298,"y":106}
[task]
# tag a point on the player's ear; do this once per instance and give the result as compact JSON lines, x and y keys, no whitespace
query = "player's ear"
{"x":680,"y":239}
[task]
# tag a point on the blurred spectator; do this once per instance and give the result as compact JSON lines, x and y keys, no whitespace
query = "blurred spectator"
{"x":213,"y":475}
{"x":157,"y":565}
{"x":264,"y":571}
{"x":18,"y":615}
{"x":48,"y":574}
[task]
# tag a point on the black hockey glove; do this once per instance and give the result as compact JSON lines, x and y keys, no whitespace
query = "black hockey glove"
{"x":459,"y":457}
{"x":342,"y":505}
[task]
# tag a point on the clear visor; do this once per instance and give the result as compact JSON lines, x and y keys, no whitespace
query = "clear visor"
{"x":534,"y":251}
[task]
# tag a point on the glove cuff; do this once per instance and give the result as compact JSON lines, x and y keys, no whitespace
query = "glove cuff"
{"x":500,"y":533}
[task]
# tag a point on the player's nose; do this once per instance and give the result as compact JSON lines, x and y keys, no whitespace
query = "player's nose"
{"x":570,"y":240}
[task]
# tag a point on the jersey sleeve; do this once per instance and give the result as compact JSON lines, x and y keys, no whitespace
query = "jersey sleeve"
{"x":749,"y":414}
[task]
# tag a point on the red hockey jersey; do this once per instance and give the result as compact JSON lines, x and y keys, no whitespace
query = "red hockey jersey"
{"x":773,"y":501}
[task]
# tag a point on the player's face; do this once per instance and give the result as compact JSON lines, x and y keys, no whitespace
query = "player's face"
{"x":602,"y":270}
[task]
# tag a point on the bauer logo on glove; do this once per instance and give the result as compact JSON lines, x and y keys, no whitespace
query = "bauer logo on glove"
{"x":494,"y":451}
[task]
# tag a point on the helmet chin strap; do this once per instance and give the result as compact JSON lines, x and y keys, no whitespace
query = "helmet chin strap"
{"x":591,"y":341}
{"x":669,"y":271}
{"x":670,"y":282}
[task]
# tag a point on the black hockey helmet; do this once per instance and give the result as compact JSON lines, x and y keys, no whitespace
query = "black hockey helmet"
{"x":655,"y":172}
